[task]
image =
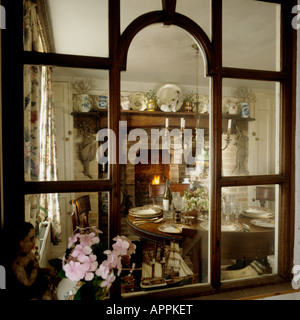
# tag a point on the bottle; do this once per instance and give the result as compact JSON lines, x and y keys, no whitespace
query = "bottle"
{"x":167,"y":197}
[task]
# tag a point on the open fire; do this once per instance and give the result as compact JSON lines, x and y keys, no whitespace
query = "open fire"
{"x":156,"y":180}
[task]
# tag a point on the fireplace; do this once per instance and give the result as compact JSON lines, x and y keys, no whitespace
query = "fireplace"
{"x":155,"y":169}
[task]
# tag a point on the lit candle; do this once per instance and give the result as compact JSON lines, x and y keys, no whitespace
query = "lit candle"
{"x":167,"y":122}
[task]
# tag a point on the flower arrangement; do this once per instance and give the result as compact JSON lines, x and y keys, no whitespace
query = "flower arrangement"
{"x":150,"y":95}
{"x":245,"y":95}
{"x":87,"y":261}
{"x":189,"y":97}
{"x":197,"y":199}
{"x":83,"y":86}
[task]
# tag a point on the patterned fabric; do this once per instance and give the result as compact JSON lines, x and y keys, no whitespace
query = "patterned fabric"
{"x":31,"y":32}
{"x":40,"y":153}
{"x":48,"y":154}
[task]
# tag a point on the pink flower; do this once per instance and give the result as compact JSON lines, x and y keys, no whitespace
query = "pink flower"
{"x":72,"y":240}
{"x":103,"y":270}
{"x":121,"y":245}
{"x":114,"y":260}
{"x":108,"y":281}
{"x":74,"y":271}
{"x":124,"y":246}
{"x":80,"y":250}
{"x":88,"y":239}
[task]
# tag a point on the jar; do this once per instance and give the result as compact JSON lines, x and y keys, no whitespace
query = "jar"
{"x":245,"y":111}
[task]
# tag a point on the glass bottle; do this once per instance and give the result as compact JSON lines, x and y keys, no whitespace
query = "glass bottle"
{"x":167,"y":196}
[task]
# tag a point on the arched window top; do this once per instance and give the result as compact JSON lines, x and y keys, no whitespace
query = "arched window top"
{"x":179,"y":20}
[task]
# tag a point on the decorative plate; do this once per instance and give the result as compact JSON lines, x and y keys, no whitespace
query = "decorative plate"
{"x":169,"y":98}
{"x":172,"y":228}
{"x":226,"y":226}
{"x":137,"y":101}
{"x":258,"y":212}
{"x":264,"y":223}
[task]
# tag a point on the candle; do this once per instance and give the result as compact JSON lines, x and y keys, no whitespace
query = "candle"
{"x":167,"y":122}
{"x":182,"y":123}
{"x":229,"y":125}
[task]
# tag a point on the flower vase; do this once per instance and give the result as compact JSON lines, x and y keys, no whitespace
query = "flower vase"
{"x":245,"y":111}
{"x":188,"y":106}
{"x":151,"y":105}
{"x":67,"y":289}
{"x":82,"y":103}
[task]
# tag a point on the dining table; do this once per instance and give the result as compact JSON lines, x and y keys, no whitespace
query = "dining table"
{"x":247,"y":242}
{"x":153,"y":231}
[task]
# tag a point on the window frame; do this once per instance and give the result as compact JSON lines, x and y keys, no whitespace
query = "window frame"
{"x":12,"y":130}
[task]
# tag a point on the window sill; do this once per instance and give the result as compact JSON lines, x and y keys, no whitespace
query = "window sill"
{"x":256,"y":293}
{"x":249,"y":289}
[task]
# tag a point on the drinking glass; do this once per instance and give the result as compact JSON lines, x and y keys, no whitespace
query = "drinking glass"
{"x":237,"y":210}
{"x":179,"y":206}
{"x":227,"y":210}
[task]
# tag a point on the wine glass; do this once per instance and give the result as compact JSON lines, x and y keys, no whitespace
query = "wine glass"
{"x":227,"y":210}
{"x":237,"y":210}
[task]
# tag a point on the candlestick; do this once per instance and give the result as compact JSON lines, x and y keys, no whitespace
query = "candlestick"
{"x":167,"y":123}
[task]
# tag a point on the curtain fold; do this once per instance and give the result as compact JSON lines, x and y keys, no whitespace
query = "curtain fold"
{"x":40,"y":153}
{"x":48,"y":153}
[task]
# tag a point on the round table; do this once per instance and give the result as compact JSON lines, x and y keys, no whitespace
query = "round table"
{"x":150,"y":231}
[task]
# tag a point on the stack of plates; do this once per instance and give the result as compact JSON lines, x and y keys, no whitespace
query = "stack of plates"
{"x":145,"y":212}
{"x":258,"y":213}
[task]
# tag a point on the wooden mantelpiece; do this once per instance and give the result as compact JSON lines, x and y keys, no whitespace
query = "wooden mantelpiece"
{"x":155,"y":119}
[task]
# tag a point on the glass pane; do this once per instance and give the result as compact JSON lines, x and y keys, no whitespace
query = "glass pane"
{"x":197,"y":10}
{"x":59,"y":210}
{"x":251,"y":35}
{"x":131,"y":9}
{"x":249,"y":231}
{"x":55,"y":219}
{"x":168,"y":138}
{"x":78,"y":27}
{"x":251,"y":112}
{"x":63,"y":111}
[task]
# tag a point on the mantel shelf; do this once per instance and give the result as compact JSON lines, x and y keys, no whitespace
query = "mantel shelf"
{"x":156,"y":119}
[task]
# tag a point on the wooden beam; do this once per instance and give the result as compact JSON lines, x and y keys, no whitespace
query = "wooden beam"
{"x":169,"y":6}
{"x":238,"y":73}
{"x":66,"y":60}
{"x":216,"y":143}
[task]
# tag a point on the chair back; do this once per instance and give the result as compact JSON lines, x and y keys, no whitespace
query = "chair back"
{"x":82,"y":207}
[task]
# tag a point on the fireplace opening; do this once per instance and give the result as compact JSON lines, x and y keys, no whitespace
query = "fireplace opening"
{"x":155,"y":171}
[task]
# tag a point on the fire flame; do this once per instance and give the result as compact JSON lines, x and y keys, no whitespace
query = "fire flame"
{"x":156,"y":180}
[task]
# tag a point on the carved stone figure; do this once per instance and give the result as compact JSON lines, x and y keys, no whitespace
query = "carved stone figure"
{"x":241,"y":152}
{"x":87,"y":148}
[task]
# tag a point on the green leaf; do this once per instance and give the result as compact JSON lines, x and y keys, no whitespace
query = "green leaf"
{"x":56,"y":263}
{"x":78,"y":294}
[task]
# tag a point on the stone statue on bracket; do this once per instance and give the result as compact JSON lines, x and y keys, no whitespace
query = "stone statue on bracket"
{"x":241,"y":152}
{"x":87,"y":148}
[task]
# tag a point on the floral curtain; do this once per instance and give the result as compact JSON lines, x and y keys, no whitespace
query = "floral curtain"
{"x":39,"y":129}
{"x":48,"y":153}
